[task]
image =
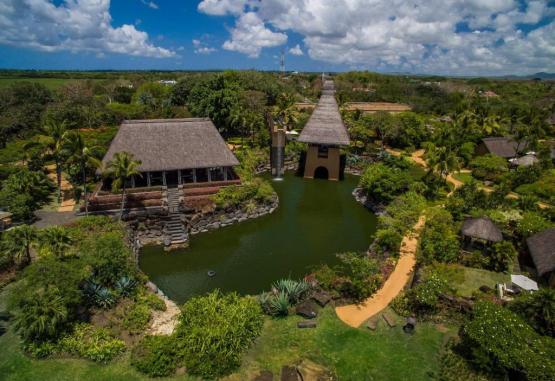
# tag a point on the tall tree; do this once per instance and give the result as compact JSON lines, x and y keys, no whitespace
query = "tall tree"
{"x":17,"y":242}
{"x":53,"y":139}
{"x":80,"y":154}
{"x":285,"y":112}
{"x":121,"y":168}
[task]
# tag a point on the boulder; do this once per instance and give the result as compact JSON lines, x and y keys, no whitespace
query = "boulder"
{"x":322,"y":298}
{"x":306,"y":324}
{"x":307,"y":309}
{"x":264,"y":375}
{"x":289,"y":373}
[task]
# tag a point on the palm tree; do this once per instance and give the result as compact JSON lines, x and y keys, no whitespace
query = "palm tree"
{"x":55,"y":239}
{"x":17,"y":242}
{"x":52,"y":139}
{"x":121,"y":168}
{"x":80,"y":154}
{"x":442,"y":160}
{"x":285,"y":112}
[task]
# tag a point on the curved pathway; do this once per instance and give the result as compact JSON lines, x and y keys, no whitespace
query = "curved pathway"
{"x":355,"y":314}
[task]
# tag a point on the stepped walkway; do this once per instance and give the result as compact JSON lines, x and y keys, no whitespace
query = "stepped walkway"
{"x":175,"y":229}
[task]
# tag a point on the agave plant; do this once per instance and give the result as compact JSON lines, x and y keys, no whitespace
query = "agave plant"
{"x":295,"y":290}
{"x":125,"y":286}
{"x":99,"y":295}
{"x":278,"y":304}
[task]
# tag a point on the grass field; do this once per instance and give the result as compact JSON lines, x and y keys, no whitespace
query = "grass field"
{"x":51,"y":83}
{"x":467,"y":280}
{"x":352,"y":354}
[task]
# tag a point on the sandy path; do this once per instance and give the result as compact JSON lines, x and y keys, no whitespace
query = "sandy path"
{"x":68,"y":202}
{"x":164,"y":322}
{"x":355,"y":314}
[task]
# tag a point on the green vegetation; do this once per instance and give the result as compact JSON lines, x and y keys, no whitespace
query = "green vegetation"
{"x":256,"y":190}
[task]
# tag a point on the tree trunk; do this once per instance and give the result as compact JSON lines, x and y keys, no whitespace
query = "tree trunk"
{"x":122,"y":201}
{"x":59,"y":180}
{"x":85,"y":190}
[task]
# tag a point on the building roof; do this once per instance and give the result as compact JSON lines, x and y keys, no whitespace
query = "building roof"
{"x":481,"y":228}
{"x":325,"y":125}
{"x":376,"y":106}
{"x":170,"y":144}
{"x":542,"y":249}
{"x":525,"y":161}
{"x":502,"y":146}
{"x":524,"y":282}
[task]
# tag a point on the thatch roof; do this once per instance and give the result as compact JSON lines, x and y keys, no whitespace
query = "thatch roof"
{"x":376,"y":106}
{"x":170,"y":144}
{"x":325,"y":125}
{"x":542,"y":249}
{"x":502,"y":146}
{"x":481,"y":228}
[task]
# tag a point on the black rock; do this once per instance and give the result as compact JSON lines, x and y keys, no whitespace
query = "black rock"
{"x":307,"y":309}
{"x":322,"y":298}
{"x":289,"y":373}
{"x":265,"y":375}
{"x":306,"y":324}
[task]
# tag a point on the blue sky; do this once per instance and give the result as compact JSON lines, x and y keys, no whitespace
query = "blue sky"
{"x":459,"y":37}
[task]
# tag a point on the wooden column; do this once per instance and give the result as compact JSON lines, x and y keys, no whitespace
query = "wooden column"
{"x":179,"y":177}
{"x":148,"y":179}
{"x":164,"y":178}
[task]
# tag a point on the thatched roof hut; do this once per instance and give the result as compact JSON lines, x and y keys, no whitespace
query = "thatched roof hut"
{"x":542,"y":249}
{"x":481,"y":228}
{"x":172,"y":144}
{"x":325,"y":125}
{"x":500,"y":146}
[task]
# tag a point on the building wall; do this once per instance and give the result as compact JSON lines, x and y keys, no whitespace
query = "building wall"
{"x":332,"y":163}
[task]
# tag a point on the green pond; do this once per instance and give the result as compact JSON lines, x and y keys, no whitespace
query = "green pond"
{"x":315,"y":220}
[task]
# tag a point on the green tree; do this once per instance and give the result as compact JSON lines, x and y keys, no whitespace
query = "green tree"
{"x":382,"y":182}
{"x":489,"y":167}
{"x":439,"y":240}
{"x":442,"y":160}
{"x":25,"y":191}
{"x":53,"y":139}
{"x":82,"y":155}
{"x":502,"y":256}
{"x":121,"y":168}
{"x":17,"y":243}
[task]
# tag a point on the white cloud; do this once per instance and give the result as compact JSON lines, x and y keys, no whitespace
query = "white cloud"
{"x":250,"y":35}
{"x":201,"y":48}
{"x":439,"y":36}
{"x":150,"y":4}
{"x":75,"y":25}
{"x":296,"y":50}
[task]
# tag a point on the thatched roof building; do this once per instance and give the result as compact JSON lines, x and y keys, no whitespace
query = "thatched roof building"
{"x":542,"y":249}
{"x":371,"y":107}
{"x":325,"y":125}
{"x":172,"y":144}
{"x":500,"y":146}
{"x":481,"y":228}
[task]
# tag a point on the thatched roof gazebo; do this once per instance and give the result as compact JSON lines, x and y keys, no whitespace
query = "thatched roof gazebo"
{"x":482,"y":229}
{"x":325,"y":133}
{"x":542,"y":250}
{"x":500,"y":146}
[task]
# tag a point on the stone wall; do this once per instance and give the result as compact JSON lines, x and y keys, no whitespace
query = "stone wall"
{"x":203,"y":222}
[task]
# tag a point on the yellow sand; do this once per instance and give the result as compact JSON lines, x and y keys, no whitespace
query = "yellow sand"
{"x":355,"y":314}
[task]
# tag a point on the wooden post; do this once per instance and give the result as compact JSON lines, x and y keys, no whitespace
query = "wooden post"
{"x":164,"y":178}
{"x":148,"y":179}
{"x":194,"y":175}
{"x":209,"y":175}
{"x":179,"y":177}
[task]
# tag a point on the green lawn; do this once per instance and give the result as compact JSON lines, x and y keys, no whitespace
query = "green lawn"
{"x":352,"y":354}
{"x":466,"y":280}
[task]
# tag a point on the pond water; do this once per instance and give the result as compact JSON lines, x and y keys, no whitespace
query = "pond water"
{"x":315,"y":220}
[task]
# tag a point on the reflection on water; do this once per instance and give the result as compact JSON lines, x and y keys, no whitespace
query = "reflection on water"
{"x":315,"y":220}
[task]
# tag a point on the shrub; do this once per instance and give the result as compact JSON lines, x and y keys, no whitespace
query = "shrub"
{"x":498,"y":338}
{"x":98,"y":295}
{"x":155,"y":356}
{"x":326,"y":277}
{"x":502,"y":256}
{"x":257,"y":189}
{"x":538,"y":309}
{"x":388,"y":240}
{"x":125,"y":286}
{"x":136,"y":318}
{"x":543,"y":188}
{"x":92,"y":343}
{"x":151,"y":300}
{"x":403,"y":212}
{"x":275,"y":304}
{"x":215,"y":331}
{"x":292,"y":288}
{"x":425,"y":296}
{"x":382,"y":183}
{"x":532,"y":223}
{"x":361,"y":273}
{"x":25,"y":191}
{"x":439,"y":240}
{"x":489,"y":167}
